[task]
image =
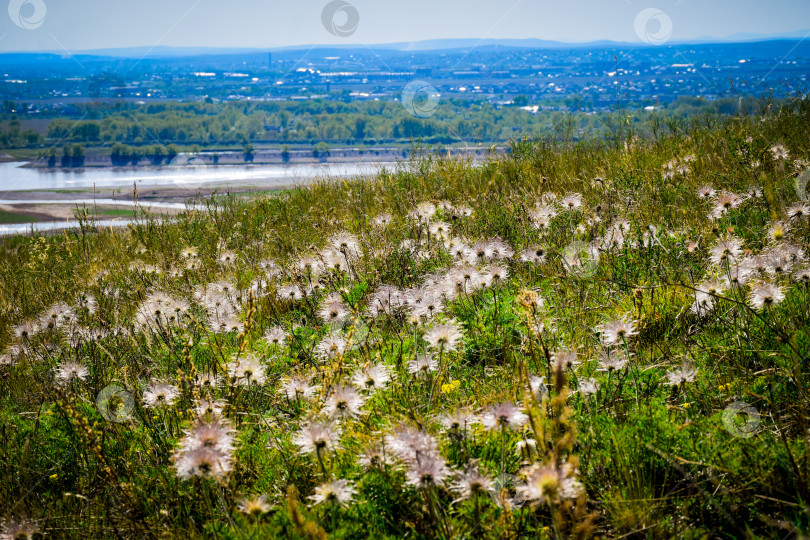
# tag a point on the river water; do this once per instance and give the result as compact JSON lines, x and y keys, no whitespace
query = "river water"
{"x":14,"y":178}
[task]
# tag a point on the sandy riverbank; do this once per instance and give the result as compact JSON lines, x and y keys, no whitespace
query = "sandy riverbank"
{"x":59,"y":205}
{"x":31,"y":213}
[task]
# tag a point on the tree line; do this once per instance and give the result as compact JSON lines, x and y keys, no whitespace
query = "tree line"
{"x":152,"y":128}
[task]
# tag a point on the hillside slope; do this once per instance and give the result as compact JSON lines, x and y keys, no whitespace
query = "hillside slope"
{"x":591,"y":338}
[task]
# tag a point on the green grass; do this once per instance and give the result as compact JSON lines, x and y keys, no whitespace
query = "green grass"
{"x":22,"y":154}
{"x":11,"y":217}
{"x":120,"y":212}
{"x":637,"y":457}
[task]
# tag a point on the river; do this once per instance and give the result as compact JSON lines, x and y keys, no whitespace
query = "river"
{"x":14,"y":179}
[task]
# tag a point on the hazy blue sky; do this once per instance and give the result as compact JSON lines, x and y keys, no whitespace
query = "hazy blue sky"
{"x":75,"y":25}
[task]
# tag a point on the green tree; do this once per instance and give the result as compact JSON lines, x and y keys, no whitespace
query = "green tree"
{"x":119,"y":155}
{"x":359,"y":128}
{"x":249,"y":152}
{"x":156,"y":154}
{"x":171,"y":153}
{"x":321,"y":151}
{"x":51,"y":157}
{"x":86,"y":132}
{"x":520,"y":101}
{"x":77,"y":156}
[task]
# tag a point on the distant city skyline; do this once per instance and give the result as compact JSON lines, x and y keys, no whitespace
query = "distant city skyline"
{"x":56,"y":25}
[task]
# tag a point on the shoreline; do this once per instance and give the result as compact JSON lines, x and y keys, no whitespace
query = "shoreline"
{"x":17,"y":180}
{"x":261,"y":157}
{"x":43,"y":206}
{"x":38,"y":164}
{"x":51,"y":205}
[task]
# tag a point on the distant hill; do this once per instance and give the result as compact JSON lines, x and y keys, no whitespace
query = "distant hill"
{"x":421,"y":46}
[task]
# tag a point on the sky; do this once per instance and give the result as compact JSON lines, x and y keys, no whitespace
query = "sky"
{"x":76,"y":25}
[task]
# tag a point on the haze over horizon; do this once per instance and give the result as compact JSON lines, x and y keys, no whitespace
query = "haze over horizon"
{"x":51,"y":25}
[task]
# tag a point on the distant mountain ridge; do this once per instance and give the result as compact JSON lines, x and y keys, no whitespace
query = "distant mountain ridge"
{"x":421,"y":46}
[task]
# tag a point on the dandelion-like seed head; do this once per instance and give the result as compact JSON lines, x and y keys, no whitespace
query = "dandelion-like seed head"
{"x":444,"y":337}
{"x":471,"y":482}
{"x":204,"y":462}
{"x":682,"y":375}
{"x":765,"y":294}
{"x":275,"y":335}
{"x":344,"y":402}
{"x":618,"y":331}
{"x":333,"y":309}
{"x":779,"y":152}
{"x":726,"y":250}
{"x":588,"y":387}
{"x":70,"y":370}
{"x":338,"y":492}
{"x":215,"y":434}
{"x":534,"y":255}
{"x":297,"y":387}
{"x":430,"y":470}
{"x":372,"y":377}
{"x":538,"y":386}
{"x":566,"y":358}
{"x":802,"y":276}
{"x":549,"y":484}
{"x":317,"y":436}
{"x":19,"y":530}
{"x":331,"y":347}
{"x":247,"y":370}
{"x":382,"y":220}
{"x":798,"y":210}
{"x":504,"y":415}
{"x":254,"y":506}
{"x":612,"y":360}
{"x":160,"y":394}
{"x":706,"y":192}
{"x":571,"y":201}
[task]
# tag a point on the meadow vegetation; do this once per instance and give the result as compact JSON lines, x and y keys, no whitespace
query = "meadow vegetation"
{"x":580,"y":338}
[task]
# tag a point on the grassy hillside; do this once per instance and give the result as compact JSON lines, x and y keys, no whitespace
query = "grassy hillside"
{"x":593,"y":338}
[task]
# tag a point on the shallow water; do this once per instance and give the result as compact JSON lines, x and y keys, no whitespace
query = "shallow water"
{"x":13,"y":177}
{"x":99,"y":202}
{"x":41,"y":226}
